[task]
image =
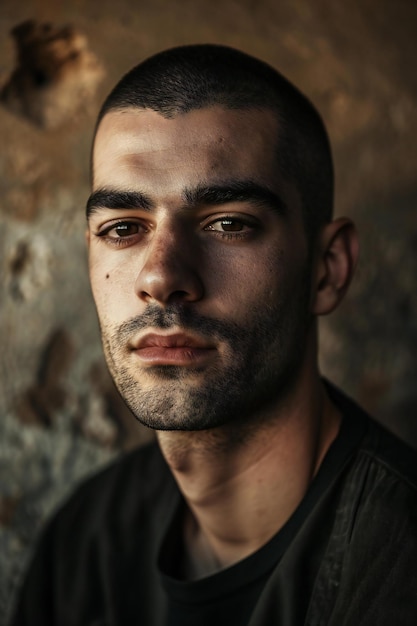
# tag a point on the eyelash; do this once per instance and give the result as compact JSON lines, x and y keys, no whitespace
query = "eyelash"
{"x":119,"y":241}
{"x":228,"y":235}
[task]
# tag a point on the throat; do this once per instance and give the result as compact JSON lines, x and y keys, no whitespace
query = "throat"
{"x":198,"y":558}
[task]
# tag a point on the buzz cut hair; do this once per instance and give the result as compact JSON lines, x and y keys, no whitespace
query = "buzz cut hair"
{"x":187,"y":78}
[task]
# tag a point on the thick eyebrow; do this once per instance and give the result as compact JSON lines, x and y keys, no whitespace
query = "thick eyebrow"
{"x":113,"y":199}
{"x":235,"y":191}
{"x":215,"y":194}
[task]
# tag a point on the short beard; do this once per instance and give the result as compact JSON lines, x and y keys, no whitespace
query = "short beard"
{"x":262,"y":360}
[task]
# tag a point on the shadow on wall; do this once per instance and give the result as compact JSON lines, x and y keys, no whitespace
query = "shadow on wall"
{"x":56,"y":75}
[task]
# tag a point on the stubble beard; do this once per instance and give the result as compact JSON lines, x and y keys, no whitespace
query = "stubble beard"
{"x":259,"y":362}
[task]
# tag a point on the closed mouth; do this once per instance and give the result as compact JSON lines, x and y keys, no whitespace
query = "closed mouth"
{"x":175,"y":340}
{"x":176,"y":349}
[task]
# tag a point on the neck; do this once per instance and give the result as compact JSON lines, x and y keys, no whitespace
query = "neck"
{"x":242,"y":489}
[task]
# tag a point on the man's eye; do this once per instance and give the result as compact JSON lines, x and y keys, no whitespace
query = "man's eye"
{"x":227,"y":225}
{"x":120,"y":230}
{"x":125,"y":229}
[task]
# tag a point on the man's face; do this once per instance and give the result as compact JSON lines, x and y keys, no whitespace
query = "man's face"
{"x":198,"y":264}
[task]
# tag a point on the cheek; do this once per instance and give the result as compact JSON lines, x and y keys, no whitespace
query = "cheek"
{"x":240,"y":282}
{"x":111,"y":288}
{"x":277,"y":280}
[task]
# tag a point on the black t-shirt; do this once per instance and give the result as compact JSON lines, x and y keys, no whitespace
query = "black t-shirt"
{"x":347,"y":556}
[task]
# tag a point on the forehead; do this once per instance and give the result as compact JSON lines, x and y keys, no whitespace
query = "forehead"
{"x":211,"y":143}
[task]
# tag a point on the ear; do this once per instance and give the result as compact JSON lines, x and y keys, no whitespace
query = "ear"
{"x":337,"y":255}
{"x":87,"y":238}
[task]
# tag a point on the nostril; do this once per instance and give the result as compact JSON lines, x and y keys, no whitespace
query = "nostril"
{"x":178,"y":296}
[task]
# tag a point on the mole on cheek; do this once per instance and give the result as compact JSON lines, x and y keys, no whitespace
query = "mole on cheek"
{"x":107,"y":275}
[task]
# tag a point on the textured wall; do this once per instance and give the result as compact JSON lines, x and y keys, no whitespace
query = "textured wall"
{"x":60,"y":416}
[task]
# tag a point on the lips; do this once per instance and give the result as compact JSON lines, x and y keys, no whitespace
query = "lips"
{"x":175,"y":349}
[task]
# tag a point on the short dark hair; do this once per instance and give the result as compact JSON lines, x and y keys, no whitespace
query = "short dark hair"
{"x":186,"y":78}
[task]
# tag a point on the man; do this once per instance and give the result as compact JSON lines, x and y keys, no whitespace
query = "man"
{"x":270,"y":498}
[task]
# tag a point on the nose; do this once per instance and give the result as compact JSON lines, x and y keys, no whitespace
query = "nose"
{"x":170,"y":271}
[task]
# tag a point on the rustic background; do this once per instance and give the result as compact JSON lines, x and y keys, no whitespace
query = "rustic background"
{"x":60,"y":416}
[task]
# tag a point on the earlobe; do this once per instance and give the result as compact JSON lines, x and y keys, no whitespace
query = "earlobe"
{"x":338,"y":250}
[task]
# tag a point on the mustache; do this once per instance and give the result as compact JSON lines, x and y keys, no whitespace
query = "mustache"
{"x":179,"y":316}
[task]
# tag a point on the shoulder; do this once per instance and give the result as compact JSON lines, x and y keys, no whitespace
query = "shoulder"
{"x":377,"y":530}
{"x":394,"y":458}
{"x":379,"y":453}
{"x":368,"y":575}
{"x":109,"y":528}
{"x":389,"y":469}
{"x":137,"y":482}
{"x":385,"y":506}
{"x":378,"y":501}
{"x":381,"y":494}
{"x":385,"y":519}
